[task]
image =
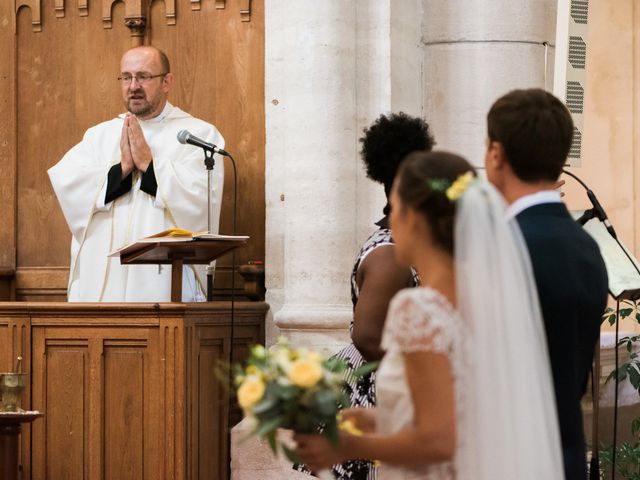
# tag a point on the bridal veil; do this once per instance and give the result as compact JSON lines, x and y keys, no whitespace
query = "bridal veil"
{"x":508,"y":428}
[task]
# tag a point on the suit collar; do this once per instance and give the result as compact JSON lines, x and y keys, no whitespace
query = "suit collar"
{"x":528,"y":201}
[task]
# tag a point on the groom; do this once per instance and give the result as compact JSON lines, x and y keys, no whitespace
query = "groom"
{"x":529,"y":136}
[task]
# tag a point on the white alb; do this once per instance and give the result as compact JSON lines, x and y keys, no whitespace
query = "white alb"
{"x":79,"y":181}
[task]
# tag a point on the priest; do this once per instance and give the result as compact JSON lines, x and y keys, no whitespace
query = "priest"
{"x":130,"y":178}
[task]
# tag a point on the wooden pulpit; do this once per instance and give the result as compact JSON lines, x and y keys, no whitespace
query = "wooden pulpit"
{"x":127,"y":390}
{"x":198,"y":251}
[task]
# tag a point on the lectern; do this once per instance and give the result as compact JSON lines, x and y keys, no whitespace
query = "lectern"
{"x":198,"y":251}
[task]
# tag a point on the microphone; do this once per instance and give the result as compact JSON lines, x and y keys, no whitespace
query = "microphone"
{"x":598,"y":211}
{"x":184,"y":136}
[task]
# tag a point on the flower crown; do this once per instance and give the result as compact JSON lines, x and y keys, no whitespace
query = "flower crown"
{"x":454,"y":190}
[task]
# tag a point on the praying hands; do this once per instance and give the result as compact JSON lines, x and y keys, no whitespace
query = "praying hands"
{"x":134,"y":150}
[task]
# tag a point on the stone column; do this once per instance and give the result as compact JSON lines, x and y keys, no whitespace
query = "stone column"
{"x":475,"y":52}
{"x":331,"y":68}
{"x":311,"y":167}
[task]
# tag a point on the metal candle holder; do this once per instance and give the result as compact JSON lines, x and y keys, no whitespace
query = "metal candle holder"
{"x":11,"y":385}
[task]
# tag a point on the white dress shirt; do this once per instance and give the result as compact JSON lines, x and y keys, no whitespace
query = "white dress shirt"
{"x":528,"y":201}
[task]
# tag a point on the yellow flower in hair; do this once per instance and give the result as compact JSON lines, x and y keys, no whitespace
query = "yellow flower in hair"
{"x":455,"y":191}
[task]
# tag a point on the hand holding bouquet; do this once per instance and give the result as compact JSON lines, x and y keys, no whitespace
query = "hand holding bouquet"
{"x":296,"y":389}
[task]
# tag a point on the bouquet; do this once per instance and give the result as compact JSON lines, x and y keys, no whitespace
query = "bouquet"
{"x":296,"y":389}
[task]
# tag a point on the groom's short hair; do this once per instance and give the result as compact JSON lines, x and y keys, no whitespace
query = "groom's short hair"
{"x":535,"y":130}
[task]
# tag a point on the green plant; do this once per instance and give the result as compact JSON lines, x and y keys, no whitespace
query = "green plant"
{"x":627,"y":454}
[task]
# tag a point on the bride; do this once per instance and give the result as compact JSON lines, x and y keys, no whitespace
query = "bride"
{"x":464,"y":390}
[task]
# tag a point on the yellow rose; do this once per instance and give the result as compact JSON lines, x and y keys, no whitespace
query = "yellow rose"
{"x":305,"y":372}
{"x":250,"y":392}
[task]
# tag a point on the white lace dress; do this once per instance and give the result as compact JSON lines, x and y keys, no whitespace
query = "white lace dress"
{"x":419,"y":319}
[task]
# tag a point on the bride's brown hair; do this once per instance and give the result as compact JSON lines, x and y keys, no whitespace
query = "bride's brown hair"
{"x":422,"y":183}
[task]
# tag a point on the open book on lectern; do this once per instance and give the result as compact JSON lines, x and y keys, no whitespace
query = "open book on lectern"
{"x":624,"y":279}
{"x":175,"y":235}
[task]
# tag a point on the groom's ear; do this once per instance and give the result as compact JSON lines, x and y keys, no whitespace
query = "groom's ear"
{"x":496,"y":156}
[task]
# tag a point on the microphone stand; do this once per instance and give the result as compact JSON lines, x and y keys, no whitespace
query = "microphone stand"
{"x":598,"y":212}
{"x":209,"y":163}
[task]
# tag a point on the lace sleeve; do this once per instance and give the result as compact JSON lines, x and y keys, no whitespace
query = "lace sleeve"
{"x":419,"y":320}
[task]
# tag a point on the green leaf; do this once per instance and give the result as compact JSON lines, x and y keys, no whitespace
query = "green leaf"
{"x":285,"y":392}
{"x":267,"y":403}
{"x":326,"y":402}
{"x":625,"y":312}
{"x":622,"y":374}
{"x":268,"y":426}
{"x":344,"y":401}
{"x":612,"y":319}
{"x":335,"y":364}
{"x":366,"y":369}
{"x":332,"y":433}
{"x":271,"y":438}
{"x":634,"y":376}
{"x":292,"y":455}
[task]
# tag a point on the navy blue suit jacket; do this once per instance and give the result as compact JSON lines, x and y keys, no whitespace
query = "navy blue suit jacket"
{"x":572,"y":285}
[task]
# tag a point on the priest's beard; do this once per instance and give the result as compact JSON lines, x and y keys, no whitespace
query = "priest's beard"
{"x":140,"y":105}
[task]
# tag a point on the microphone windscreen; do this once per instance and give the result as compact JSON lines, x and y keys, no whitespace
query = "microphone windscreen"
{"x":183,"y":135}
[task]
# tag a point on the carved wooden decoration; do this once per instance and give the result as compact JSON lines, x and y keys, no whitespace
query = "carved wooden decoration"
{"x":135,"y":17}
{"x":59,"y":8}
{"x":170,"y":11}
{"x":137,"y":25}
{"x":245,"y":10}
{"x":83,"y":7}
{"x":36,"y":16}
{"x":106,"y":12}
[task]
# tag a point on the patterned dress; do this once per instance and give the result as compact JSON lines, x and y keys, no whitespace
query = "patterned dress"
{"x":361,"y":390}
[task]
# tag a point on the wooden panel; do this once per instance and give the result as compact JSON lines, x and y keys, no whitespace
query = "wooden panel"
{"x":57,"y":102}
{"x":173,"y":380}
{"x":211,"y":411}
{"x":42,"y":284}
{"x":5,"y":345}
{"x":65,"y":402}
{"x":124,"y":367}
{"x":8,"y":146}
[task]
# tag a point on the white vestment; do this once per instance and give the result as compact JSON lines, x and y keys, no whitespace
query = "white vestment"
{"x":80,"y":180}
